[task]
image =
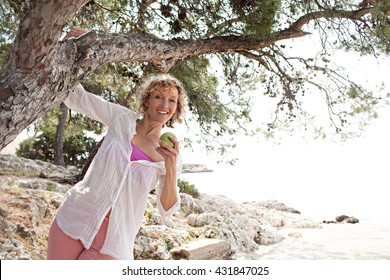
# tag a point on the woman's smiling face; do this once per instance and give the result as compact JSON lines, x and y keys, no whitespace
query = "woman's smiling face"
{"x":162,"y":104}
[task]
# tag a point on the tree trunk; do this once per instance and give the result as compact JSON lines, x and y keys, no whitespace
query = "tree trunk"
{"x":59,"y":138}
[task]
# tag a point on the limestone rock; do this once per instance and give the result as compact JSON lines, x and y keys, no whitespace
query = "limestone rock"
{"x":195,"y":168}
{"x":346,"y":219}
{"x":208,"y":227}
{"x":202,"y":219}
{"x":343,"y":219}
{"x":295,"y":234}
{"x":203,"y":249}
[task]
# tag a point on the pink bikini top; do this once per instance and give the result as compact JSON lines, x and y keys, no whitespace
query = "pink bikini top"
{"x":138,"y":154}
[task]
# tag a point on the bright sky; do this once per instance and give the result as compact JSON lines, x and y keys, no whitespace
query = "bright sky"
{"x":321,"y":179}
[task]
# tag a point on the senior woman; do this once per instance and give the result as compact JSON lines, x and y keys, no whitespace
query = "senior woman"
{"x":101,"y":214}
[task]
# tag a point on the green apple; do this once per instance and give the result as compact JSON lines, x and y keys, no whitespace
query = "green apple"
{"x":165,"y":137}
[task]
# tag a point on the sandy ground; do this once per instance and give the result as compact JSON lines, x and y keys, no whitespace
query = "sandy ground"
{"x":332,"y":242}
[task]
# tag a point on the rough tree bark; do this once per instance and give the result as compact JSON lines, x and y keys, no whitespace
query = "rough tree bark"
{"x":41,"y":70}
{"x":36,"y":77}
{"x":59,"y":137}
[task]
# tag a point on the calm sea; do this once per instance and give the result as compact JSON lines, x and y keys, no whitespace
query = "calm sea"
{"x":313,"y":197}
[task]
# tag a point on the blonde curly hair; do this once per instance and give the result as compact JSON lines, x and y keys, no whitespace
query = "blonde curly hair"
{"x":158,"y":81}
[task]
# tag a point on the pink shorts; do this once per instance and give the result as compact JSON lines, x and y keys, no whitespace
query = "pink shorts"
{"x":63,"y":247}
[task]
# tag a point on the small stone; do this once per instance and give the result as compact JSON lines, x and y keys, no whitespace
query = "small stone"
{"x":295,"y":234}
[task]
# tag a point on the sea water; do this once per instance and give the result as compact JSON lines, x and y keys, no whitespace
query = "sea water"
{"x":367,"y":240}
{"x":321,"y":200}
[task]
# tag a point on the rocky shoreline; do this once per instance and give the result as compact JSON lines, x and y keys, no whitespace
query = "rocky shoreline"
{"x":208,"y":227}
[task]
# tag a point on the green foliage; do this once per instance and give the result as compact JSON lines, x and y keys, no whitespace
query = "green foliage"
{"x":77,"y":125}
{"x":258,"y":16}
{"x":8,"y":27}
{"x":118,"y":82}
{"x":381,"y":23}
{"x":36,"y":148}
{"x":202,"y":92}
{"x":50,"y":186}
{"x":186,"y":187}
{"x":4,"y":50}
{"x":76,"y":148}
